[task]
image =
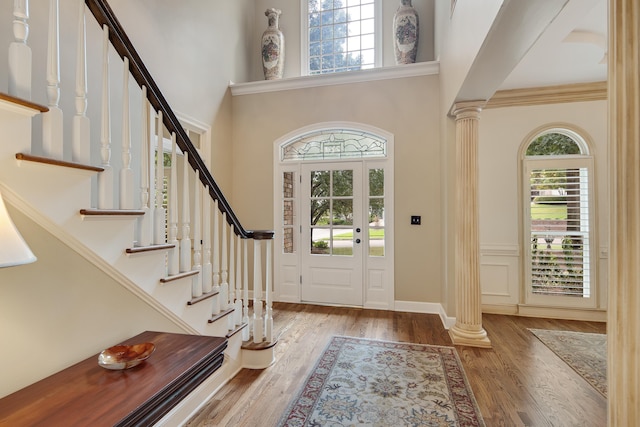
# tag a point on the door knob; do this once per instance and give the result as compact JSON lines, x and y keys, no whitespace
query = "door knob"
{"x":358,"y":230}
{"x":357,"y":240}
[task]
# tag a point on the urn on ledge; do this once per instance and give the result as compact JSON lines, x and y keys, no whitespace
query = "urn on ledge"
{"x":272,"y":47}
{"x":405,"y":33}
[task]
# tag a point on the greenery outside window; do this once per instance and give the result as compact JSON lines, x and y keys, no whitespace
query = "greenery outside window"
{"x":340,"y":35}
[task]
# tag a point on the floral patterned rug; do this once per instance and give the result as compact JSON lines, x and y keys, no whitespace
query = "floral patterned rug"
{"x":585,"y":352}
{"x":365,"y":382}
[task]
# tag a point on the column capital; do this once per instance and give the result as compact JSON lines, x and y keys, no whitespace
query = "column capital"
{"x":467,"y":109}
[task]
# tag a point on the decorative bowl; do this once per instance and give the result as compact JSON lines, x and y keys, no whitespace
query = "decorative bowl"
{"x":125,"y":356}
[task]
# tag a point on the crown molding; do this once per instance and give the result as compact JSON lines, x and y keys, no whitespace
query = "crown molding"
{"x":579,"y":92}
{"x":331,"y":79}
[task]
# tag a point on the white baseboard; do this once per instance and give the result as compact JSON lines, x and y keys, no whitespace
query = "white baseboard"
{"x":428,"y":308}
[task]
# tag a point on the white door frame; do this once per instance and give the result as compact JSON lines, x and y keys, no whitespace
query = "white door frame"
{"x":378,"y":272}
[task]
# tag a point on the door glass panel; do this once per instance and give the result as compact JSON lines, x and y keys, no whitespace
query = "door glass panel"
{"x":376,"y":212}
{"x":342,"y":183}
{"x":320,"y":184}
{"x":342,"y":242}
{"x":288,"y":213}
{"x":342,"y":212}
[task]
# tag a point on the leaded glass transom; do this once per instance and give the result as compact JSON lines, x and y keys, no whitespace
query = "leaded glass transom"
{"x":334,"y":144}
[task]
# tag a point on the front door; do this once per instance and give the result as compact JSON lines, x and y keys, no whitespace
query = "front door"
{"x":332,"y":226}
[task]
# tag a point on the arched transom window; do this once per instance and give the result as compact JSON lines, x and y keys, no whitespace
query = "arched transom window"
{"x":334,"y":144}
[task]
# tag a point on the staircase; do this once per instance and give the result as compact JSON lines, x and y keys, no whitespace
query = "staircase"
{"x":155,"y":223}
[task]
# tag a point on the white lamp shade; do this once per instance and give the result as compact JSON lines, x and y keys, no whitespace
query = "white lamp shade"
{"x":13,"y":248}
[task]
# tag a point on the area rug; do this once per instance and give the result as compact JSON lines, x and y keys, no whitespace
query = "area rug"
{"x":585,"y":352}
{"x":366,"y":382}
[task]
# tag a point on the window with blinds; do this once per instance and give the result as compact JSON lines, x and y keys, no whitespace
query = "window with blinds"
{"x":558,"y":222}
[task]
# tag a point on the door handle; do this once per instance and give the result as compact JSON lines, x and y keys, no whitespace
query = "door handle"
{"x":357,"y":240}
{"x":358,"y":230}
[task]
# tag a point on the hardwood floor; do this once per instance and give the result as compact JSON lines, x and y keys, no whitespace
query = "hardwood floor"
{"x":519,"y":382}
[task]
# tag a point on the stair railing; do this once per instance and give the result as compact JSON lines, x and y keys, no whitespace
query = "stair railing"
{"x":218,"y":256}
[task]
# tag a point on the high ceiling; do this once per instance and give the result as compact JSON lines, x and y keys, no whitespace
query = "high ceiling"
{"x":571,"y":50}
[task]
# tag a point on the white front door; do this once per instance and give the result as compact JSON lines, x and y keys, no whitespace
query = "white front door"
{"x":332,"y":226}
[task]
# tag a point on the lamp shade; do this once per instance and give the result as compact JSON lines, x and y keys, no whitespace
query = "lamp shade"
{"x":13,"y":248}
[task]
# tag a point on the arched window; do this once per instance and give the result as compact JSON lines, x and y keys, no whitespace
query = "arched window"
{"x":557,"y":189}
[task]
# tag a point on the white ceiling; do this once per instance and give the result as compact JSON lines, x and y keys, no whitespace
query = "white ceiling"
{"x":571,"y":50}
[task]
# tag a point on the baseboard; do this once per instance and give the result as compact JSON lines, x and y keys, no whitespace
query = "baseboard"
{"x":427,"y":308}
{"x":589,"y":315}
{"x":508,"y":309}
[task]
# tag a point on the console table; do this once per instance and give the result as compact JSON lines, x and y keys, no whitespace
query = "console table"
{"x":86,"y":394}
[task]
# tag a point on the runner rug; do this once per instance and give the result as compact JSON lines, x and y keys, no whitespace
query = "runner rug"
{"x":585,"y":352}
{"x":365,"y":382}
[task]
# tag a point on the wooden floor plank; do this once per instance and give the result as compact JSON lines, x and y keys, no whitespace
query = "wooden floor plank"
{"x":519,"y":382}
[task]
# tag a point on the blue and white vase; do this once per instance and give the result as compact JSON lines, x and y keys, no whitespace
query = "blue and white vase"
{"x":273,"y":47}
{"x":405,"y":33}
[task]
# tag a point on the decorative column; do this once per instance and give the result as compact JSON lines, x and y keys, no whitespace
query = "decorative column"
{"x":623,"y":324}
{"x":468,"y":328}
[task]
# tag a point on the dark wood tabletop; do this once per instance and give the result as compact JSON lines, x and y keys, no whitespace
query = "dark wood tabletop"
{"x":87,"y":394}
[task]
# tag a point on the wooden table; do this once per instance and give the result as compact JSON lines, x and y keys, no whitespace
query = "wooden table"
{"x":86,"y":394}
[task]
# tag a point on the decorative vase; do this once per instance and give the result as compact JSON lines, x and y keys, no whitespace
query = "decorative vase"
{"x":405,"y":33}
{"x":272,"y":47}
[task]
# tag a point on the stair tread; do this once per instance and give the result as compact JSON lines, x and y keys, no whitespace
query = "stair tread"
{"x":46,"y":160}
{"x":221,"y":315}
{"x":202,"y":297}
{"x":23,"y":102}
{"x":111,"y":212}
{"x":139,"y":249}
{"x":178,"y":276}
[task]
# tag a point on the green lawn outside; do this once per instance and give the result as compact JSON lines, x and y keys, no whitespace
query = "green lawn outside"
{"x":548,"y":211}
{"x":375,"y":234}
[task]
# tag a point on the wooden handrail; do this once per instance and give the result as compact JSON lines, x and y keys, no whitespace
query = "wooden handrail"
{"x":103,"y":13}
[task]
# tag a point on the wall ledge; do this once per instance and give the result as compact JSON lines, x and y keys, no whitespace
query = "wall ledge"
{"x":332,"y":79}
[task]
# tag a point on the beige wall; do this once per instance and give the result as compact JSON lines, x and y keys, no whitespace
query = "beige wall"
{"x":407,"y":108}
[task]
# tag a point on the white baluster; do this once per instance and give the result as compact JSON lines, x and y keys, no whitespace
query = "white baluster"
{"x":52,"y":142}
{"x":159,"y":213}
{"x":207,"y":268}
{"x":145,"y":223}
{"x":126,"y":173}
{"x":174,"y":254}
{"x":224,"y":285}
{"x":216,"y":259}
{"x":258,"y":321}
{"x":232,"y":277}
{"x":196,"y":284}
{"x":185,"y":242}
{"x":105,"y":178}
{"x":81,"y":137}
{"x":245,"y":294}
{"x":238,"y":279}
{"x":20,"y":63}
{"x":268,"y":315}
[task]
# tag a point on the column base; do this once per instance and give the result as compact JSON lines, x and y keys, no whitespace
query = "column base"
{"x":469,"y":338}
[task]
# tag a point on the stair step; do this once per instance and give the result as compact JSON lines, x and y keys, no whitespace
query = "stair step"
{"x":140,"y":249}
{"x":220,"y":315}
{"x":236,"y":330}
{"x":54,"y":162}
{"x":23,"y":102}
{"x":111,"y":212}
{"x":179,"y":276}
{"x":264,"y":345}
{"x":202,"y":297}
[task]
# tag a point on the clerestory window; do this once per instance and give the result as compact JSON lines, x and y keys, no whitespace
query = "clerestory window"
{"x":341,"y":35}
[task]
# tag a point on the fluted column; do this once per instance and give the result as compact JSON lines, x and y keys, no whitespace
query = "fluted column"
{"x":468,"y":328}
{"x":624,"y":269}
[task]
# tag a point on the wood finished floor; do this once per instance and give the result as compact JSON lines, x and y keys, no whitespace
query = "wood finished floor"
{"x":519,"y":382}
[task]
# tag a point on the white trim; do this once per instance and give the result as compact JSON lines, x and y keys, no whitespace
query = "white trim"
{"x":566,"y":313}
{"x":330,"y":79}
{"x":500,"y":250}
{"x":427,"y":308}
{"x":201,"y":128}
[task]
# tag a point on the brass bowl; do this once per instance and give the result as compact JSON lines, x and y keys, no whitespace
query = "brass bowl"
{"x":125,"y":356}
